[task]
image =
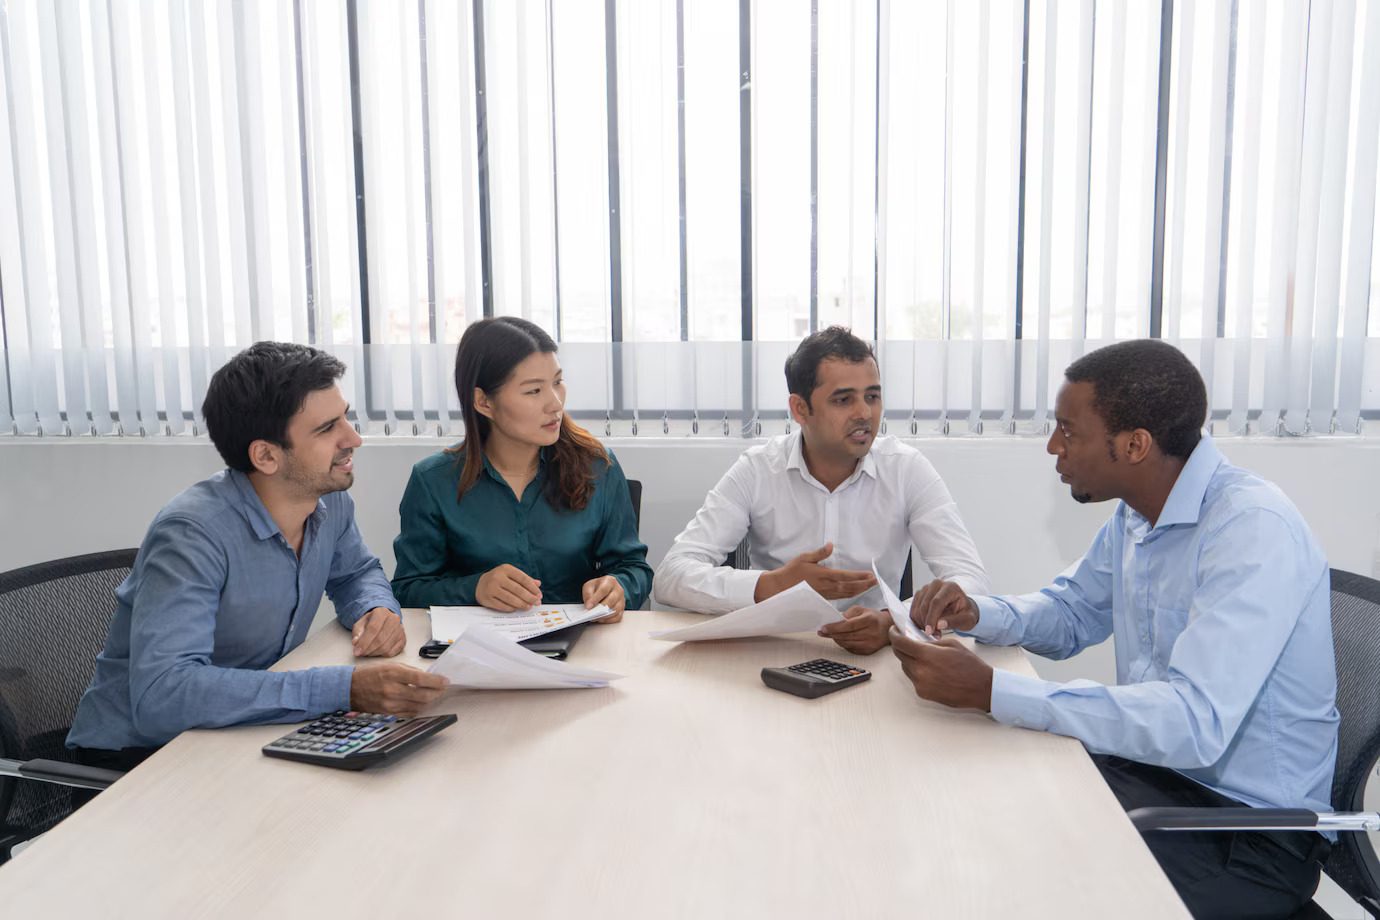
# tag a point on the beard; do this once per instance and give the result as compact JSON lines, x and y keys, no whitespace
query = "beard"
{"x":313,"y":484}
{"x":1081,"y":497}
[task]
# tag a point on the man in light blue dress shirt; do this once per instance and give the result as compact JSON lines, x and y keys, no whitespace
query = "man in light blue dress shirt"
{"x":1217,"y":599}
{"x":231,"y":572}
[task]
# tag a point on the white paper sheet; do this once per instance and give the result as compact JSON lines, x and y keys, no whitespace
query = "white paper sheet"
{"x":448,"y":622}
{"x":899,"y":614}
{"x":797,"y":609}
{"x":481,"y":659}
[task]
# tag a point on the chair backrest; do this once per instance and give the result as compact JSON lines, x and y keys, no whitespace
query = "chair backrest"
{"x":635,"y":493}
{"x":1356,"y":638}
{"x":54,"y":618}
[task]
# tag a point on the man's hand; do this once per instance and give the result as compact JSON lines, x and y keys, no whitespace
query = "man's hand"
{"x":862,"y":630}
{"x":945,"y":671}
{"x":394,"y":689}
{"x":378,"y":634}
{"x":605,"y":590}
{"x":943,"y":605}
{"x":507,"y":588}
{"x":832,"y":584}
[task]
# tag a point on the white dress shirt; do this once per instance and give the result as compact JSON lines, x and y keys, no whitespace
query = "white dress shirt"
{"x":893,"y":499}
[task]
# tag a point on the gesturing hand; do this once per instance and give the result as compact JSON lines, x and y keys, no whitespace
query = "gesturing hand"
{"x":605,"y":590}
{"x":832,"y":584}
{"x":507,"y":588}
{"x":394,"y":689}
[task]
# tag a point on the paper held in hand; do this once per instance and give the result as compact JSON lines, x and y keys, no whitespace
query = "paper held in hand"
{"x":481,"y":659}
{"x":797,"y":609}
{"x":448,"y":622}
{"x":899,"y":614}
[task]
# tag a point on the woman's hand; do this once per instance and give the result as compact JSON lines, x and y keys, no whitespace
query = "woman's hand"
{"x":605,"y":590}
{"x":508,"y":588}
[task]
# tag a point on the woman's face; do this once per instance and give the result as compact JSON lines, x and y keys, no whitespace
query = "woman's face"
{"x":527,"y":407}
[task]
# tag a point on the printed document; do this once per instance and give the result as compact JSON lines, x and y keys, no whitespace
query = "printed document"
{"x":797,"y":609}
{"x":448,"y":622}
{"x":899,"y":614}
{"x":481,"y":659}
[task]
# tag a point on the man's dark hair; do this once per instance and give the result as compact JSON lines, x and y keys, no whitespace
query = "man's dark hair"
{"x":252,"y":397}
{"x":1146,"y":383}
{"x":802,"y":367}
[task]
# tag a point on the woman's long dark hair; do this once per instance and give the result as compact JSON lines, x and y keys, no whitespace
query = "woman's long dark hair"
{"x":489,"y":351}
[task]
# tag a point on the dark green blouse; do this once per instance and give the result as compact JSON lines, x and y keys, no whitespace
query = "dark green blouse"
{"x":446,"y":543}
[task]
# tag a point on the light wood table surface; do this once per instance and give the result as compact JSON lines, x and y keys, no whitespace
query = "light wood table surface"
{"x":687,"y":789}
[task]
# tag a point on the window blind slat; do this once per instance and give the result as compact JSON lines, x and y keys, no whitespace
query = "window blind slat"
{"x":1322,"y":398}
{"x":1241,"y":271}
{"x":1319,"y":95}
{"x":1361,"y":231}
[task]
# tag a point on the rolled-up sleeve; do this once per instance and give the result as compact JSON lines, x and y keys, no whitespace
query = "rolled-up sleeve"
{"x":938,"y":532}
{"x":692,"y":576}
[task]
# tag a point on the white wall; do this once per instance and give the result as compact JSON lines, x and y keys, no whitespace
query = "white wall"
{"x":63,"y":497}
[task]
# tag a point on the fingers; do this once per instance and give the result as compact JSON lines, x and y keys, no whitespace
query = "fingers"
{"x":837,"y":584}
{"x":855,"y":620}
{"x":816,"y":556}
{"x":368,"y":631}
{"x":508,"y":588}
{"x":936,"y":604}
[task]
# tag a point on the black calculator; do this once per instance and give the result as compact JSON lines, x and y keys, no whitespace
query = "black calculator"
{"x":355,"y":740}
{"x":814,"y":678}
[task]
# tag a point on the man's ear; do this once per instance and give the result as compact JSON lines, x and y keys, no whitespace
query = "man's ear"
{"x":266,"y":456}
{"x":1139,"y":445}
{"x":800,"y":409}
{"x":482,"y":404}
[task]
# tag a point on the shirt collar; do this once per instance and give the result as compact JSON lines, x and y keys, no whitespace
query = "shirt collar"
{"x":252,"y":507}
{"x":795,"y":460}
{"x":1185,"y":501}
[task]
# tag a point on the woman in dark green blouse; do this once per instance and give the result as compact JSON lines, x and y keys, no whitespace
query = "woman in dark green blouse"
{"x":530,"y":507}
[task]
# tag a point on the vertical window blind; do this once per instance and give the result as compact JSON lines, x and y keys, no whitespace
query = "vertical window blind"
{"x":679,"y":190}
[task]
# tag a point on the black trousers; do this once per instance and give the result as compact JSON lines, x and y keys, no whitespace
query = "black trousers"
{"x":124,"y":760}
{"x":1255,"y":874}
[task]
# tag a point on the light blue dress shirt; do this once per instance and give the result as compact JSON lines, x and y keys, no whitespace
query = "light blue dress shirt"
{"x":217,"y":595}
{"x":1220,"y":615}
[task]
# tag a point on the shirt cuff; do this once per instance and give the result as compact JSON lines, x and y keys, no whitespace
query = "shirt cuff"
{"x":994,"y":619}
{"x":360,"y":606}
{"x":740,"y":587}
{"x":330,"y":688}
{"x":1020,"y":700}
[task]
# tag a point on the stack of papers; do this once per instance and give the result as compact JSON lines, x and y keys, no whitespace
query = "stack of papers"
{"x":797,"y":609}
{"x":481,"y":659}
{"x":448,"y":622}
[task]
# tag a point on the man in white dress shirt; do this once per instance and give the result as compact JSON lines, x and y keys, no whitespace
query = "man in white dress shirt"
{"x":820,"y":504}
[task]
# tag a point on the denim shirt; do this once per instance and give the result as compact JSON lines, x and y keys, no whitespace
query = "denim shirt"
{"x":216,"y":596}
{"x":1220,"y":614}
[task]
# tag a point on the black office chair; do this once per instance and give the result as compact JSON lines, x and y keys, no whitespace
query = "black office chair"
{"x":635,"y":493}
{"x":1352,"y":863}
{"x":54,"y":617}
{"x":739,"y":560}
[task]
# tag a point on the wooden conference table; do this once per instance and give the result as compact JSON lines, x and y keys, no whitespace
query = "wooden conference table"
{"x":687,"y":789}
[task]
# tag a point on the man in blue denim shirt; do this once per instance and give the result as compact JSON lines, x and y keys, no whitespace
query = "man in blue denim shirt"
{"x":1217,"y":599}
{"x":231,"y":573}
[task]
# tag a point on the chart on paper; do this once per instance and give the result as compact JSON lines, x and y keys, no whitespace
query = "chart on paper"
{"x":448,"y":622}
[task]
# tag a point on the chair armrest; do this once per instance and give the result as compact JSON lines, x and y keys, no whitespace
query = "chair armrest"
{"x":60,"y":773}
{"x":1250,"y":819}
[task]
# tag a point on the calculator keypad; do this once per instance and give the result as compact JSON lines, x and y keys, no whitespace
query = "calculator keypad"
{"x":339,"y":733}
{"x":825,"y":669}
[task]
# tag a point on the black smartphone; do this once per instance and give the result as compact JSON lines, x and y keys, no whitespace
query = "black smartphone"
{"x":433,"y":649}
